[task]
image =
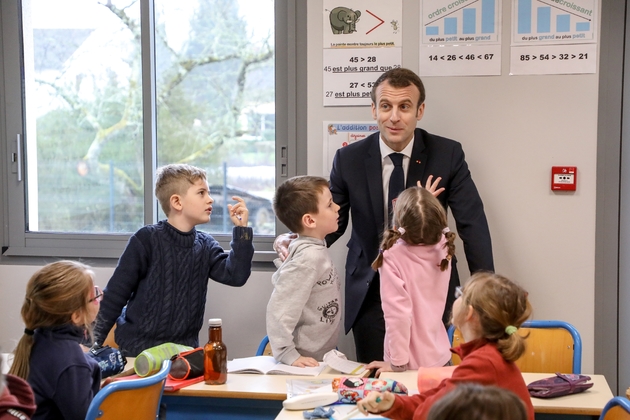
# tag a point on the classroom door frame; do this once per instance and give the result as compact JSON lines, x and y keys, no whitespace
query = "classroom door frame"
{"x":612,"y":234}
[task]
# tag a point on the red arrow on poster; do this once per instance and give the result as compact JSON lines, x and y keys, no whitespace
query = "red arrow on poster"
{"x":382,"y":21}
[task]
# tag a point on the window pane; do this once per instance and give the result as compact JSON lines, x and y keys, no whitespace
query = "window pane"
{"x":216,"y":100}
{"x":83,"y":129}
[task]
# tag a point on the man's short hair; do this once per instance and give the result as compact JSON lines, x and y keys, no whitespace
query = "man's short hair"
{"x":399,"y":78}
{"x":296,"y":197}
{"x":175,"y":178}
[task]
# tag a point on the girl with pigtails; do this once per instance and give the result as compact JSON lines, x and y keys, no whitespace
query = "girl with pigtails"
{"x":60,"y":305}
{"x":488,"y":311}
{"x":414,"y":268}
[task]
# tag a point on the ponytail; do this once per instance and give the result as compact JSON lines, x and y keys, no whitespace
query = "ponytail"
{"x":22,"y":355}
{"x":502,"y":307}
{"x":390,"y":236}
{"x":53,"y":294}
{"x":450,"y":246}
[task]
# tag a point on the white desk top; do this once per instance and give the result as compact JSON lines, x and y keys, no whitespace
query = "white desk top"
{"x":274,"y":387}
{"x":590,"y":402}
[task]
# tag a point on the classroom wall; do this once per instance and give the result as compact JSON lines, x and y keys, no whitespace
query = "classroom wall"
{"x":513,"y":129}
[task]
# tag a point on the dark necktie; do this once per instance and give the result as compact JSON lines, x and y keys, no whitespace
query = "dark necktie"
{"x":396,"y":183}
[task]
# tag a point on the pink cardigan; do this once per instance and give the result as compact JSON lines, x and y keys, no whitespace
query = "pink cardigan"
{"x":413,"y":294}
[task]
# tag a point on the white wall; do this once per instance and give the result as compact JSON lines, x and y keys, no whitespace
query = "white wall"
{"x":513,"y":129}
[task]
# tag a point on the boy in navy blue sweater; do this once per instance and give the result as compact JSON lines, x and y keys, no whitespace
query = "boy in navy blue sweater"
{"x":157,"y":293}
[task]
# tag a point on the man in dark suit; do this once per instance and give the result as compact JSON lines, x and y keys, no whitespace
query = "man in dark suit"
{"x":359,"y":182}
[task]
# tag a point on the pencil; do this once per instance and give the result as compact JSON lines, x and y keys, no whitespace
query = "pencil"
{"x":351,"y":414}
{"x":356,"y":411}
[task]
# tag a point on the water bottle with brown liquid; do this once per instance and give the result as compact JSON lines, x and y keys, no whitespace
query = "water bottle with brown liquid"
{"x":215,"y":355}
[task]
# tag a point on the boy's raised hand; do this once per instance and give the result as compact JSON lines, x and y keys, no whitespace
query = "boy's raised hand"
{"x":238,"y":212}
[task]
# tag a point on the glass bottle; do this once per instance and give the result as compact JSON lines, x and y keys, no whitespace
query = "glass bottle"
{"x":215,"y":355}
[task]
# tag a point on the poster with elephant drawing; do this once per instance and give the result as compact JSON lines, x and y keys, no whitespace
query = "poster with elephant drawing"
{"x":362,"y":23}
{"x":362,"y":39}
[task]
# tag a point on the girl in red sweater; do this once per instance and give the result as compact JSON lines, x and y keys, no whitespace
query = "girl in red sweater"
{"x":488,"y":312}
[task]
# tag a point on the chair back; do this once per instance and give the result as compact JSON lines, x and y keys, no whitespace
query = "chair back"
{"x":138,"y":399}
{"x":264,"y":349}
{"x":617,"y":408}
{"x":110,"y":340}
{"x":552,"y":346}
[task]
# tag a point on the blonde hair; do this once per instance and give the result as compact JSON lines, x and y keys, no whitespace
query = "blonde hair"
{"x":53,"y":294}
{"x":423,"y":219}
{"x":175,"y":178}
{"x":499,"y":303}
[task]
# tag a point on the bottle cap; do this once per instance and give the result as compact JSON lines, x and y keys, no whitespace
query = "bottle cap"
{"x":214,"y":322}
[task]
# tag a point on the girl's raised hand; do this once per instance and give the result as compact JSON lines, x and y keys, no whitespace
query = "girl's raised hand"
{"x":380,"y":367}
{"x":432,"y":185}
{"x":376,"y":402}
{"x":238,"y":212}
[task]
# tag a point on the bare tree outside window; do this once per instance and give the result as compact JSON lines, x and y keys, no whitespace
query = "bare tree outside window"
{"x":83,"y":101}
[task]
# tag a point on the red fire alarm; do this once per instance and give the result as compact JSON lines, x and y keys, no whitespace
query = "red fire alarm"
{"x":563,"y":178}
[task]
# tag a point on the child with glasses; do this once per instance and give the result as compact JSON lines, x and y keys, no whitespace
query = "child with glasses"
{"x":488,"y":313}
{"x":60,"y":305}
{"x":414,"y":266}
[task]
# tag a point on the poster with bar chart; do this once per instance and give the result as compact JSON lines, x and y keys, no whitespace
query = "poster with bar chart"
{"x":553,"y":21}
{"x":457,"y":21}
{"x":554,"y":37}
{"x":460,"y":37}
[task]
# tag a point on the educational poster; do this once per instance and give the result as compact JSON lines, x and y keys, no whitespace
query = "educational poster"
{"x":362,"y":39}
{"x":339,"y":134}
{"x":554,"y":37}
{"x":460,"y":38}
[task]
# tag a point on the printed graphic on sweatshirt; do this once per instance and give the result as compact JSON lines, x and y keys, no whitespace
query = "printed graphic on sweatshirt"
{"x":331,"y":279}
{"x":329,"y":311}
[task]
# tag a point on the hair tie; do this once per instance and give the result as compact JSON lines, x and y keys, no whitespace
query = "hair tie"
{"x":446,"y":230}
{"x":380,"y":251}
{"x":401,"y":230}
{"x":510,"y":329}
{"x":28,"y":332}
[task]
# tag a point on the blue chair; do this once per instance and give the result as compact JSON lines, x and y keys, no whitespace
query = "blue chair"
{"x":138,"y":399}
{"x":552,"y":346}
{"x":263,"y":346}
{"x":618,"y":408}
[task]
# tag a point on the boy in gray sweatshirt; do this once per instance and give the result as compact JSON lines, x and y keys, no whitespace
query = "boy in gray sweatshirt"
{"x":304,"y":311}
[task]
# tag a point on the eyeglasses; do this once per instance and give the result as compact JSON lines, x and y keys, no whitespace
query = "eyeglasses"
{"x":98,"y":295}
{"x":458,"y":292}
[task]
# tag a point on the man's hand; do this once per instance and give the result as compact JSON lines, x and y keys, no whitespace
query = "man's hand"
{"x":281,"y":244}
{"x":238,"y":212}
{"x":431,"y":185}
{"x":303,"y":361}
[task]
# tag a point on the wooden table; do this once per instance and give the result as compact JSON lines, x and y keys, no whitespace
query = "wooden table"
{"x":251,"y":396}
{"x":578,"y":406}
{"x":243,"y":396}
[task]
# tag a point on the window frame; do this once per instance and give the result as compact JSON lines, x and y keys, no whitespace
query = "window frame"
{"x":290,"y":77}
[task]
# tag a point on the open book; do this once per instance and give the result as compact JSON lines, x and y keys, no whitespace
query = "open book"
{"x":269,"y":366}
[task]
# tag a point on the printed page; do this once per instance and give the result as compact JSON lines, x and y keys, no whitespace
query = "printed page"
{"x":269,"y":365}
{"x":281,"y":369}
{"x":256,"y":364}
{"x":338,"y":361}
